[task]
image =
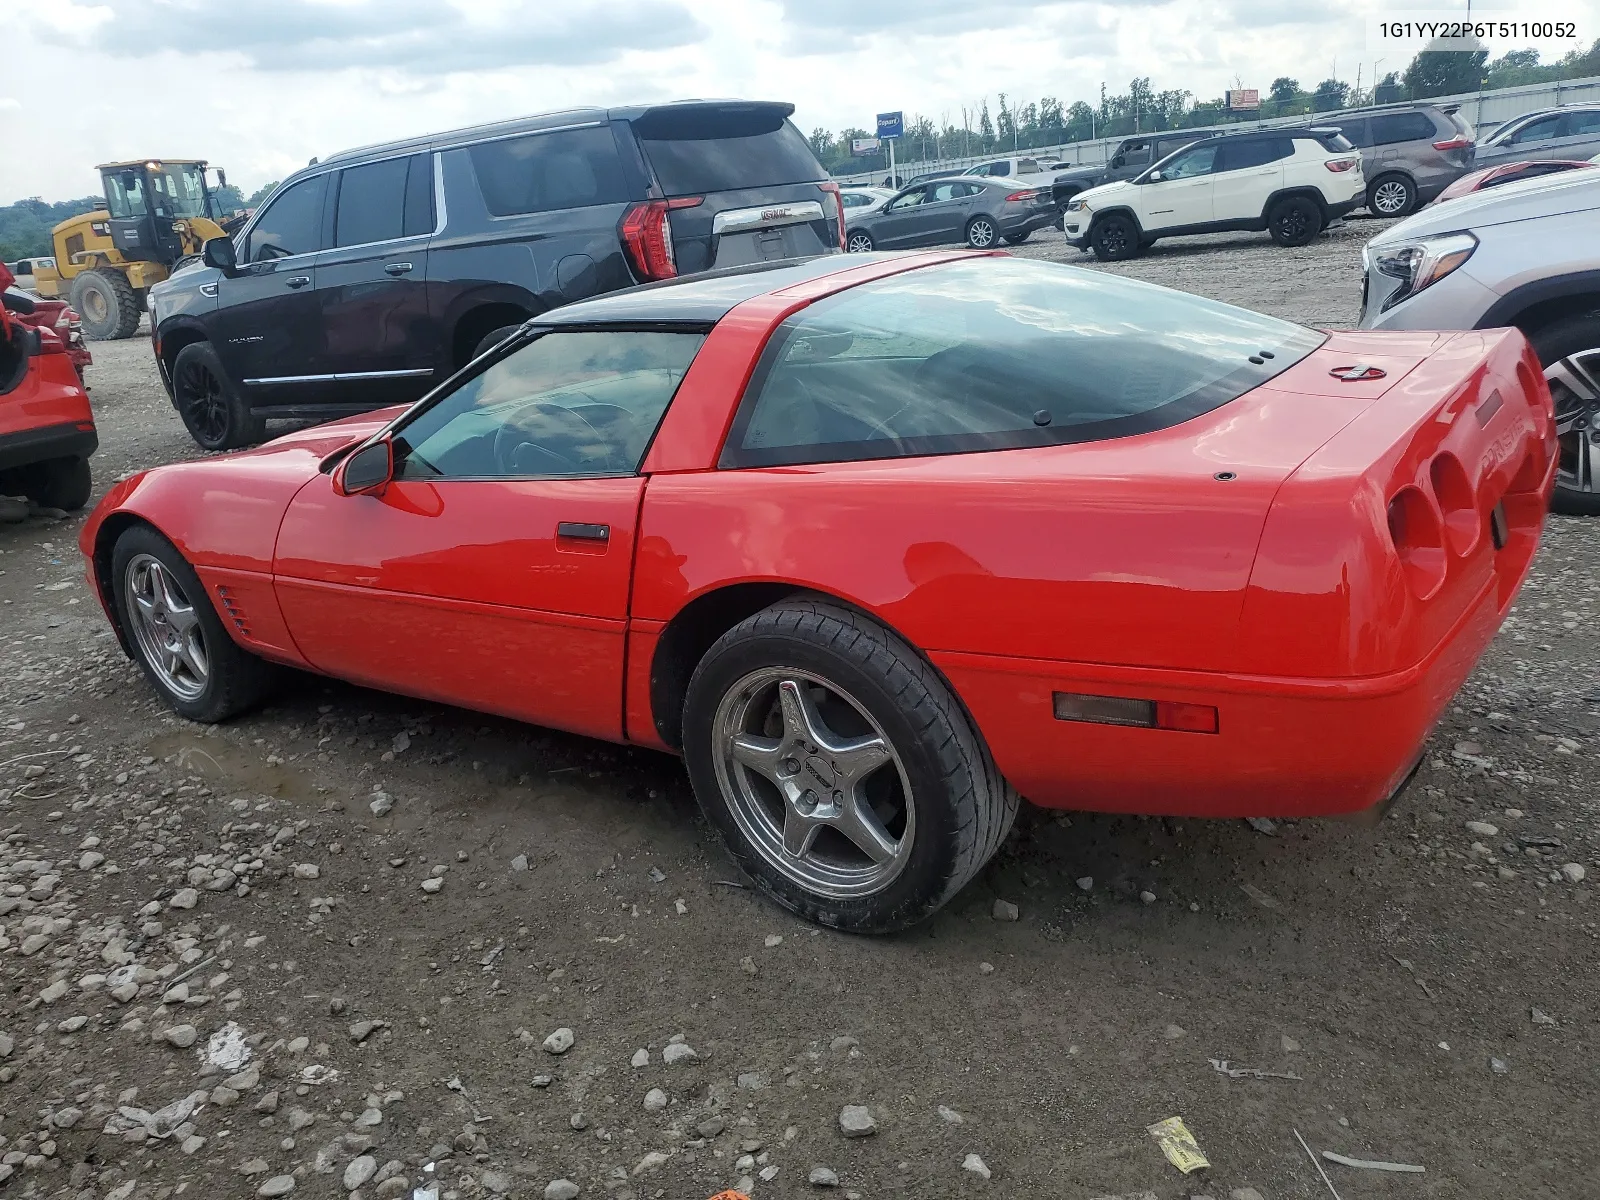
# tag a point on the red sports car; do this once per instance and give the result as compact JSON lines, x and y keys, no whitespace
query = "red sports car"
{"x":47,"y":428}
{"x":1513,"y":172}
{"x":881,"y":544}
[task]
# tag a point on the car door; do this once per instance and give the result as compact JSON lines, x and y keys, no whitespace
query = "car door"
{"x":492,"y":571}
{"x":1535,"y":140}
{"x":942,"y":216}
{"x":1245,"y":174}
{"x":372,"y":283}
{"x":1578,"y":136}
{"x":1179,"y":194}
{"x":267,"y":328}
{"x":896,"y":223}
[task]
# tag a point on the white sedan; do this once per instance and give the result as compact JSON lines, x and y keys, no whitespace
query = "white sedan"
{"x":859,"y":201}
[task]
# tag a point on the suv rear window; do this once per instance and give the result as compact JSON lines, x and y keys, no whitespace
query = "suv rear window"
{"x":1389,"y":128}
{"x":570,"y":168}
{"x":996,"y":355}
{"x":697,"y":150}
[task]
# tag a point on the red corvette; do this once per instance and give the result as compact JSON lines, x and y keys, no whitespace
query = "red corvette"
{"x":881,"y":544}
{"x":1513,"y":172}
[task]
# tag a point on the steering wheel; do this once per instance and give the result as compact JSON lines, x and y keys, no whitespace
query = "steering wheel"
{"x":548,"y":439}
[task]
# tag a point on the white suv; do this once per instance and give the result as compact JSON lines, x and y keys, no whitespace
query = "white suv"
{"x":1292,"y":182}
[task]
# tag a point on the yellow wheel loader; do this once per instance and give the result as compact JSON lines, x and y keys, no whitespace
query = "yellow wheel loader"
{"x":157,"y":216}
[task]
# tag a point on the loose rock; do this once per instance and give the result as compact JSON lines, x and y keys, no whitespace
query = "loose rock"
{"x":560,"y":1041}
{"x":855,"y":1120}
{"x":976,"y":1165}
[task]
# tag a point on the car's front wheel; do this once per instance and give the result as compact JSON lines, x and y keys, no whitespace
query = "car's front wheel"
{"x":1570,"y":352}
{"x":981,"y":233}
{"x":175,"y":633}
{"x":859,"y":242}
{"x":843,"y":776}
{"x":215,"y":414}
{"x":1294,"y":221}
{"x":1114,"y":238}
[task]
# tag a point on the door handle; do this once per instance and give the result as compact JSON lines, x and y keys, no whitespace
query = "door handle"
{"x":397,"y":268}
{"x":583,"y":532}
{"x":299,"y":281}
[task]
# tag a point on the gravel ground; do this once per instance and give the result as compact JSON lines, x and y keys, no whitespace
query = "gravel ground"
{"x":331,"y":943}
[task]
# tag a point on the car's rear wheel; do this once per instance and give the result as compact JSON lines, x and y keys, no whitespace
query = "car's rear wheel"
{"x":981,"y":233}
{"x":841,"y":773}
{"x":1016,"y":239}
{"x":1391,"y":196}
{"x":175,"y":633}
{"x":215,"y":414}
{"x":859,"y":242}
{"x":63,"y":483}
{"x":1294,"y":221}
{"x":1570,"y":352}
{"x":1114,"y":238}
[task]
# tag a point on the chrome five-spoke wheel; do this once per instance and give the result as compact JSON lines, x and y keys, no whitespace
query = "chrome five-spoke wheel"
{"x":1575,"y":386}
{"x":814,"y":783}
{"x":167,"y":628}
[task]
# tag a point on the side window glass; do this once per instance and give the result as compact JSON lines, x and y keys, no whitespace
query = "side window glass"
{"x":371,"y":203}
{"x":292,"y":224}
{"x":419,"y":214}
{"x":1358,"y":133}
{"x":947,"y":191}
{"x":574,"y":168}
{"x":909,"y":200}
{"x":1392,"y":128}
{"x":1535,"y":131}
{"x":1581,"y":123}
{"x":1199,"y":161}
{"x":1137,"y":154}
{"x":1028,"y":166}
{"x":1242,"y":155}
{"x":566,"y":404}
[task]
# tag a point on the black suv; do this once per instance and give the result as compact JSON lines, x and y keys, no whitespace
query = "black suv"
{"x":371,"y":276}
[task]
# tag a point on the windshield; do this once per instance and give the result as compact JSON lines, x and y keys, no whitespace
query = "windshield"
{"x":125,"y":193}
{"x":995,"y":355}
{"x":180,"y":189}
{"x":708,"y":149}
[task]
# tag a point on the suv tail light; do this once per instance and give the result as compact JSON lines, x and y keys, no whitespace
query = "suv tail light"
{"x":1459,"y":142}
{"x":1030,"y":194}
{"x":832,"y":189}
{"x":1340,"y":165}
{"x":647,"y":236}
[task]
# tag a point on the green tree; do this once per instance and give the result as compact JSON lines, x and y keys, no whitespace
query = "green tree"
{"x":821,"y":144}
{"x":1284,"y":90}
{"x":985,"y":128}
{"x":1445,"y":72}
{"x":1006,"y":124}
{"x":1330,"y":94}
{"x":260,"y":194}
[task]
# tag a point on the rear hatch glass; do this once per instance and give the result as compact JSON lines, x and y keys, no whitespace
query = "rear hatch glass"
{"x":760,"y":185}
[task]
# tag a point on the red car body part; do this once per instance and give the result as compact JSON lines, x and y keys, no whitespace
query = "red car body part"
{"x":1290,"y":586}
{"x":1487,"y":177}
{"x":44,"y":410}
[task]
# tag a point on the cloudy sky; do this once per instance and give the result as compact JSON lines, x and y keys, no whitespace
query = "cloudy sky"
{"x":261,"y":86}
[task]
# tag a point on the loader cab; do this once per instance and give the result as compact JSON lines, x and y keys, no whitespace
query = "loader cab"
{"x":150,"y":205}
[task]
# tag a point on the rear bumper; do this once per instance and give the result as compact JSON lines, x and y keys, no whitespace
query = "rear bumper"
{"x":1345,"y":207}
{"x":46,"y":442}
{"x":1285,"y":747}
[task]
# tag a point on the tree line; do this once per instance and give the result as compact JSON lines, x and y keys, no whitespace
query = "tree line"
{"x":1015,"y":126}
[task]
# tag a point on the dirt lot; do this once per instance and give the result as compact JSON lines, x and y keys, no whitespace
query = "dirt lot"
{"x":1428,"y":986}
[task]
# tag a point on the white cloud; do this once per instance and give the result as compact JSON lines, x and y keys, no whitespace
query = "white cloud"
{"x":264,"y":85}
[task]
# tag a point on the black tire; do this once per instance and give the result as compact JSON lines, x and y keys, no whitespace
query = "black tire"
{"x":1114,"y":239}
{"x":63,"y":483}
{"x":1294,"y":221}
{"x":1577,"y":417}
{"x":1391,"y":195}
{"x":492,"y":339}
{"x":1016,"y":239}
{"x":982,"y":232}
{"x":237,"y":681}
{"x":215,"y":414}
{"x":858,"y":241}
{"x":105,"y":303}
{"x":964,"y":808}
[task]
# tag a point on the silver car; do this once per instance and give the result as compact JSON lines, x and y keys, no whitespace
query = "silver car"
{"x":974,"y":209}
{"x":1526,"y":254}
{"x":1572,"y":132}
{"x":859,"y":201}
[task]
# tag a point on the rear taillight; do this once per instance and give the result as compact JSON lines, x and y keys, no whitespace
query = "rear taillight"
{"x":1459,"y":142}
{"x":67,"y":319}
{"x":832,"y":189}
{"x":647,"y":236}
{"x":1141,"y":714}
{"x":1019,"y":197}
{"x":1340,"y":165}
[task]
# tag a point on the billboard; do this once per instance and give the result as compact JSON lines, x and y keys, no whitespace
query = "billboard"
{"x":864,"y":145}
{"x":1243,"y":98}
{"x":891,"y":125}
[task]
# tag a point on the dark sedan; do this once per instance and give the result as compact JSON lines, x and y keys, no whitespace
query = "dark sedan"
{"x":975,"y":210}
